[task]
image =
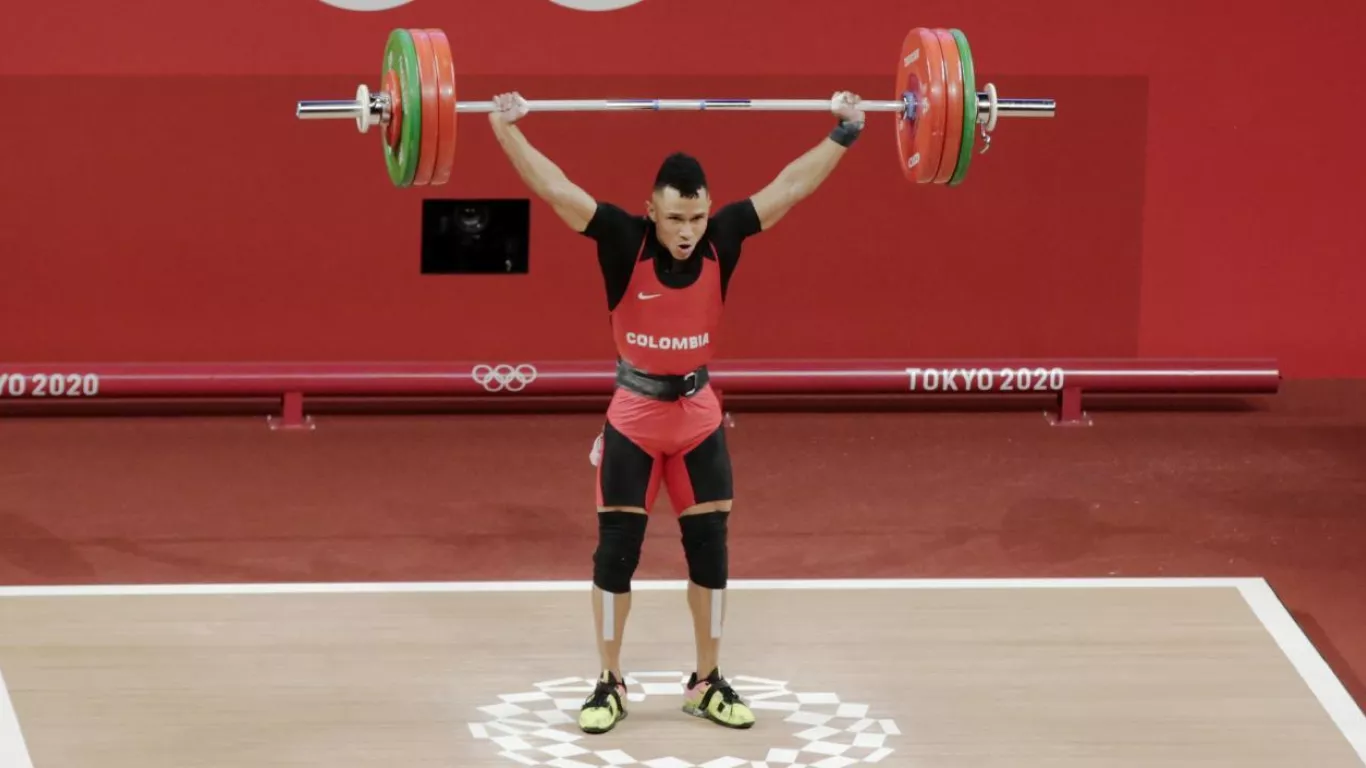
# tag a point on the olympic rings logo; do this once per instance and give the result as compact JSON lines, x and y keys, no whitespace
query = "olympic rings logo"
{"x":503,"y":377}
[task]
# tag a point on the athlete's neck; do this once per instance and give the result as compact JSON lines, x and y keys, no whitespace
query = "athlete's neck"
{"x":671,"y":263}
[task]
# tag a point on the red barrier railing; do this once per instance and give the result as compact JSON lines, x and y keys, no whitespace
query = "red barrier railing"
{"x":1065,"y":379}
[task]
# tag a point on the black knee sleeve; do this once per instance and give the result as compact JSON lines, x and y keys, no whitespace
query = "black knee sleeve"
{"x":704,"y":544}
{"x":620,"y":535}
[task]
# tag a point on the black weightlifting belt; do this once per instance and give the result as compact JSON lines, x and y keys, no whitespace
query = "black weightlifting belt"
{"x":661,"y":386}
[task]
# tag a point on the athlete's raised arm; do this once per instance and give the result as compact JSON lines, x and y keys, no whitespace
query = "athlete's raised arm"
{"x":544,"y":178}
{"x":804,"y":175}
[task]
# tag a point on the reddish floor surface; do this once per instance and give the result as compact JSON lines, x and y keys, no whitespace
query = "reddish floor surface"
{"x":1278,"y":491}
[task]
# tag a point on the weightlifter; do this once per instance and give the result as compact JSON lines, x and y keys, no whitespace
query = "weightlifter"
{"x":666,"y":275}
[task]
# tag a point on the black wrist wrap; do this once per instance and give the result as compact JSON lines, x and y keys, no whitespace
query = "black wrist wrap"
{"x":846,"y":133}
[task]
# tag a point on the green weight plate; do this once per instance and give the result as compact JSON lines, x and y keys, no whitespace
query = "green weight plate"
{"x":400,"y":57}
{"x":969,"y":109}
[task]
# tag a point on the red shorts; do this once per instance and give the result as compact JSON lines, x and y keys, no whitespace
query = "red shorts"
{"x":679,"y":442}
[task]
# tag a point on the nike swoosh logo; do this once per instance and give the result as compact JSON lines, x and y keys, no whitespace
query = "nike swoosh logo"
{"x":648,"y":295}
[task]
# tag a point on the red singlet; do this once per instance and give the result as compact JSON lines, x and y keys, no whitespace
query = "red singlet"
{"x":666,"y":330}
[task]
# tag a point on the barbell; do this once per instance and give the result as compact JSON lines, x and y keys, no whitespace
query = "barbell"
{"x":939,"y":111}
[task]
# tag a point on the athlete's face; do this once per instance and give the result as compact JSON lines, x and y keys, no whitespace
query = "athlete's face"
{"x":679,"y":221}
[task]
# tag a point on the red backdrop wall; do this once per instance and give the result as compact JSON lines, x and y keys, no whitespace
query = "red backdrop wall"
{"x":1196,"y":194}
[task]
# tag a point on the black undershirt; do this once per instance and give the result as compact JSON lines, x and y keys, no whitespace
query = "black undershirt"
{"x":619,"y":234}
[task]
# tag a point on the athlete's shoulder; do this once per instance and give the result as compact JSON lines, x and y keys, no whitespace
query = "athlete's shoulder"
{"x":611,"y":221}
{"x":738,"y":219}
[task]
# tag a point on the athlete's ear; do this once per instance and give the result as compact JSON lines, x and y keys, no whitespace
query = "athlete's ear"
{"x":650,"y":210}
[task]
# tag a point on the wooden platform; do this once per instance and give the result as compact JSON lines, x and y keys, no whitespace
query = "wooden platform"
{"x":924,"y":674}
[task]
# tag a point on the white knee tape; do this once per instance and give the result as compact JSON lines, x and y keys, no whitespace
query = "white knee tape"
{"x":718,"y":609}
{"x":609,"y":616}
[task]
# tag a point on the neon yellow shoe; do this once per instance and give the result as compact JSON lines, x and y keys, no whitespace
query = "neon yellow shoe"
{"x":605,"y":706}
{"x":713,"y":698}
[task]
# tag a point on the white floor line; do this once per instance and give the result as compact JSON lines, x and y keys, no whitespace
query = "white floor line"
{"x":643,"y":585}
{"x":13,"y":750}
{"x":1309,"y":663}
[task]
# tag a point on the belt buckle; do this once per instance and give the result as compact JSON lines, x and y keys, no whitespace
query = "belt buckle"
{"x":692,"y":387}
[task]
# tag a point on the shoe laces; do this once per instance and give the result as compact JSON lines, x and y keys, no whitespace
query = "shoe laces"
{"x":728,"y":695}
{"x":602,"y":693}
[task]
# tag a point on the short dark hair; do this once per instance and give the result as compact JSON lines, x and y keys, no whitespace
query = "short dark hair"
{"x":683,"y":173}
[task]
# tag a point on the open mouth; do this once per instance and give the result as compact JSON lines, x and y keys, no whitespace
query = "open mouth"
{"x":685,"y":247}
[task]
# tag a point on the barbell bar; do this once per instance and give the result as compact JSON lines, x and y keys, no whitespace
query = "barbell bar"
{"x":936,"y":125}
{"x":373,"y":106}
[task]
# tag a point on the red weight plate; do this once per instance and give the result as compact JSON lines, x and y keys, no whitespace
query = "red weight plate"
{"x":953,"y":105}
{"x":395,"y":126}
{"x":920,"y":74}
{"x":426,"y":67}
{"x":445,"y":73}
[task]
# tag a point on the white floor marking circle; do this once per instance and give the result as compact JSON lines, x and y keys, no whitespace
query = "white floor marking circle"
{"x":366,"y":5}
{"x":596,"y":5}
{"x":540,"y":726}
{"x":384,"y":5}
